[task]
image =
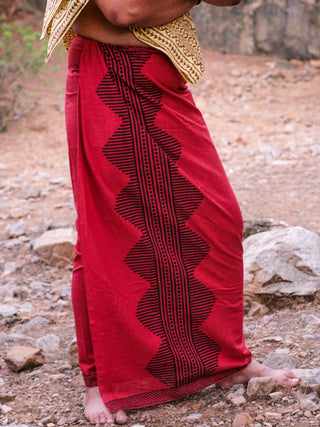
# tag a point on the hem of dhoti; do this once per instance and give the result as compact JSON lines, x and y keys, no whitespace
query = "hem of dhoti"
{"x":156,"y":397}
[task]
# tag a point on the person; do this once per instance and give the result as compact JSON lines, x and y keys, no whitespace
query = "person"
{"x":157,"y":283}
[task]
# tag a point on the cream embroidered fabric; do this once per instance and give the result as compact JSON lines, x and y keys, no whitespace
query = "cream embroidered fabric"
{"x":177,"y":39}
{"x":58,"y":18}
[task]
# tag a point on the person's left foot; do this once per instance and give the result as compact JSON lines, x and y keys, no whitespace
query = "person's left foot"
{"x":284,"y":377}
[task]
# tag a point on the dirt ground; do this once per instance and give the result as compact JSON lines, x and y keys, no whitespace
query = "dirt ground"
{"x":263,"y":114}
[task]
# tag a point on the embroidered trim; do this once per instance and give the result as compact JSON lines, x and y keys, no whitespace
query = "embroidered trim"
{"x":179,"y":41}
{"x":59,"y":16}
{"x":90,"y":380}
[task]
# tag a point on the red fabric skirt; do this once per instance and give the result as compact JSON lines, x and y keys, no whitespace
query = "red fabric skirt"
{"x":158,"y":276}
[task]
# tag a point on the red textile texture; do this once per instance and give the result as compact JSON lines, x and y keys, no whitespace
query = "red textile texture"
{"x":158,"y":279}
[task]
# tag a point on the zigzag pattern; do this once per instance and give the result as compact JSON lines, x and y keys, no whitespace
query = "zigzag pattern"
{"x":158,"y":201}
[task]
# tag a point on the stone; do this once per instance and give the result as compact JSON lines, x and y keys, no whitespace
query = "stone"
{"x":275,"y":339}
{"x":9,"y":268}
{"x":276,"y":396}
{"x":273,"y":415}
{"x":66,"y":293}
{"x":257,"y":310}
{"x":247,"y":331}
{"x":261,"y":386}
{"x":49,"y":343}
{"x":31,"y":193}
{"x":290,"y":128}
{"x":219,"y":405}
{"x":241,"y":420}
{"x":284,"y":262}
{"x":192,"y":417}
{"x":315,"y":149}
{"x":309,"y":379}
{"x":77,"y":381}
{"x":6,"y":397}
{"x":237,"y":397}
{"x":73,"y":353}
{"x":16,"y":425}
{"x":26,"y":308}
{"x":58,"y":180}
{"x":35,"y":325}
{"x":52,"y":317}
{"x":277,"y":360}
{"x":63,"y":421}
{"x":310,"y":320}
{"x":16,"y":339}
{"x":21,"y":292}
{"x":7,"y":311}
{"x":279,"y":28}
{"x":16,"y":230}
{"x":55,"y":247}
{"x":17,"y":213}
{"x":5,"y":409}
{"x":308,"y":405}
{"x":19,"y":358}
{"x":39,"y":287}
{"x":259,"y":225}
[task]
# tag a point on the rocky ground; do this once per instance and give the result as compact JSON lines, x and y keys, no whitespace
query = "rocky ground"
{"x":263,"y":114}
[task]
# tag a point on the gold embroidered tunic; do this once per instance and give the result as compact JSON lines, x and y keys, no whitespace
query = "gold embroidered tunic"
{"x":177,"y":39}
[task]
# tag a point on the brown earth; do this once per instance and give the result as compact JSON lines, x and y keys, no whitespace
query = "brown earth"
{"x":263,"y":114}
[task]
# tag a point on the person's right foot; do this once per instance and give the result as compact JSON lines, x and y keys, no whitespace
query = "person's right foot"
{"x":96,"y":411}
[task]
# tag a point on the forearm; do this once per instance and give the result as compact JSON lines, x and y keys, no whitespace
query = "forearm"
{"x":145,"y":13}
{"x":222,"y":2}
{"x":92,"y":24}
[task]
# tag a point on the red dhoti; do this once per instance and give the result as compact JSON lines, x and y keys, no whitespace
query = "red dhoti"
{"x":158,"y":275}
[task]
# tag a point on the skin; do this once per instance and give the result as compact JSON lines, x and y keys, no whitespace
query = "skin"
{"x":149,"y":13}
{"x":107,"y":21}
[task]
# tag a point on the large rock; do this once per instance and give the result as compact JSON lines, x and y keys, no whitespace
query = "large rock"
{"x":287,"y":28}
{"x":7,"y":310}
{"x":55,"y":247}
{"x":20,"y":357}
{"x":35,"y":326}
{"x":261,"y":386}
{"x":284,"y":262}
{"x":278,"y":360}
{"x":15,"y":339}
{"x":49,"y":343}
{"x":309,"y":379}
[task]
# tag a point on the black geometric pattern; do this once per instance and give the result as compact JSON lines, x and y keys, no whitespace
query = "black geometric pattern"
{"x":158,"y":201}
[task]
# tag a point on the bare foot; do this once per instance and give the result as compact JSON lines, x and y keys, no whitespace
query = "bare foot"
{"x":97,"y":412}
{"x":284,"y":377}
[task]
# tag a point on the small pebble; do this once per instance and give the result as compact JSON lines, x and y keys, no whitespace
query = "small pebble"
{"x":5,"y":409}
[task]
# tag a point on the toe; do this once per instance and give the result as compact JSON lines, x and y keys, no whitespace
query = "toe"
{"x":121,"y":417}
{"x":110,"y":419}
{"x":103,"y":419}
{"x":293,"y":382}
{"x":95,"y":419}
{"x":290,"y":374}
{"x":288,"y":380}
